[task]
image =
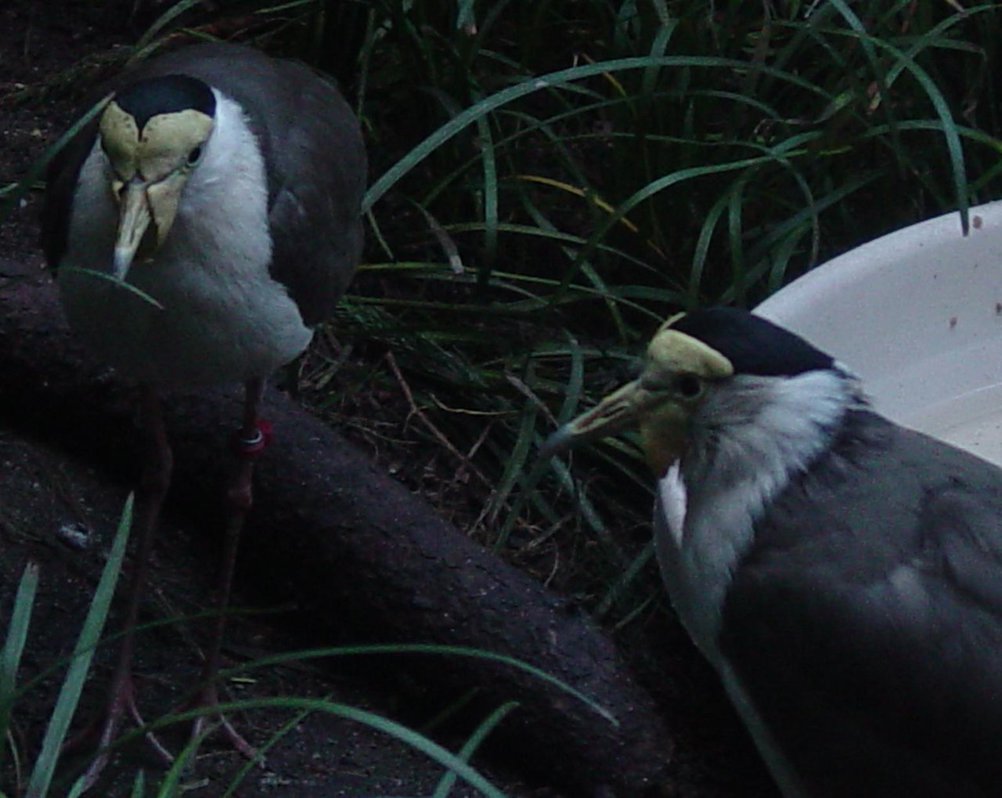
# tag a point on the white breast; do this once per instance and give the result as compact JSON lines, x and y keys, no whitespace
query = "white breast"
{"x":747,"y":443}
{"x":223,"y":318}
{"x":698,"y":553}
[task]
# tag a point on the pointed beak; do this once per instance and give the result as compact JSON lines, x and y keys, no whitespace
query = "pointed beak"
{"x":656,"y":404}
{"x":134,"y":219}
{"x":618,"y":412}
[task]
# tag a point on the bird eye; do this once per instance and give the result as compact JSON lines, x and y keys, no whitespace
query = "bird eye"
{"x":194,"y":155}
{"x":688,"y":386}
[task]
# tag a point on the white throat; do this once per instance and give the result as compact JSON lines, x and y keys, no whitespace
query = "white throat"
{"x":746,"y":442}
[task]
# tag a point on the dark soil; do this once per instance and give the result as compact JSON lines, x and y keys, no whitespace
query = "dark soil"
{"x":47,"y":497}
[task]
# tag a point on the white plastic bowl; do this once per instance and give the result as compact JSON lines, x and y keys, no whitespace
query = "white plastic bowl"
{"x":917,"y":315}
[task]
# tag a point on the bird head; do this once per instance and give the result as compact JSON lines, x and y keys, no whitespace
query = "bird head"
{"x":153,"y":133}
{"x":702,"y":369}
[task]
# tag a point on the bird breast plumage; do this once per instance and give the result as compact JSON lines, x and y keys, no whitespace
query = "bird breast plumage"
{"x":746,"y":444}
{"x":222,"y":317}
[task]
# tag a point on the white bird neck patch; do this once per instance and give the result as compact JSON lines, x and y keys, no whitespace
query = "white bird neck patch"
{"x":746,"y":442}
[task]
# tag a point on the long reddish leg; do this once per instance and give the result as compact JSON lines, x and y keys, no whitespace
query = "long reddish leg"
{"x":251,"y":441}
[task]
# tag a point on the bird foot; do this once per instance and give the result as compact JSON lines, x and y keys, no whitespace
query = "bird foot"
{"x":100,"y":734}
{"x":208,"y":700}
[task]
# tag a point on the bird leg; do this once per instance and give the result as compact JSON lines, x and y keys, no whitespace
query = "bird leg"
{"x":122,"y":694}
{"x":251,"y":441}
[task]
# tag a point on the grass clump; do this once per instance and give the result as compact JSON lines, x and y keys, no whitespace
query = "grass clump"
{"x":551,"y":180}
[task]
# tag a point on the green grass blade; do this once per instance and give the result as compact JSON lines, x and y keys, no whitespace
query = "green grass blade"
{"x":117,"y":281}
{"x":391,"y":728}
{"x":171,"y":784}
{"x":490,"y":201}
{"x":13,"y":648}
{"x":426,"y":649}
{"x":546,"y":82}
{"x":472,"y":744}
{"x":950,"y":134}
{"x":165,"y":19}
{"x":272,"y":741}
{"x":139,"y":785}
{"x":83,"y":653}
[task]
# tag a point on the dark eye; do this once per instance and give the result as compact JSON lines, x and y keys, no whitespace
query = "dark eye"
{"x":688,"y":386}
{"x":194,"y":155}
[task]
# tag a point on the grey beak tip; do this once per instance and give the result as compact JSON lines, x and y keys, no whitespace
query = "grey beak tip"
{"x":120,"y":266}
{"x":558,"y":442}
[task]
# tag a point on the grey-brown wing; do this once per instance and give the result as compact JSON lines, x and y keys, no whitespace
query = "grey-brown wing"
{"x":316,"y":162}
{"x":873,"y":647}
{"x":319,"y":176}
